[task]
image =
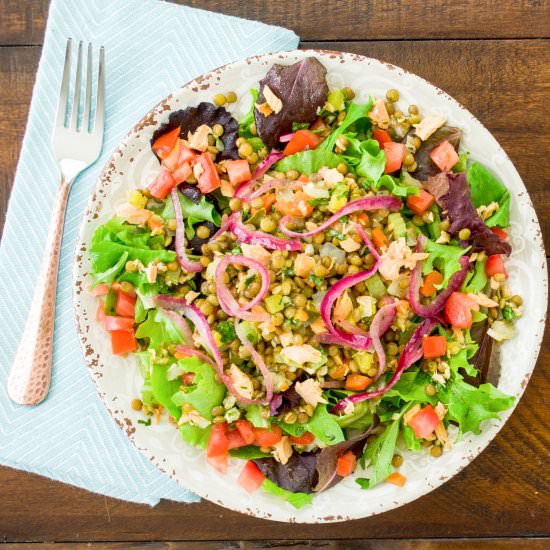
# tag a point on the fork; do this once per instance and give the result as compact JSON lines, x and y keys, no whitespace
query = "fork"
{"x":76,"y":146}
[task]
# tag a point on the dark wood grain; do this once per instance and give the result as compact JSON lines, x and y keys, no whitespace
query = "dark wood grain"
{"x":499,"y":501}
{"x":377,"y":544}
{"x":342,"y":20}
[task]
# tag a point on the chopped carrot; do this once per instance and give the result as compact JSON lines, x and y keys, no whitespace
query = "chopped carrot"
{"x":158,"y":411}
{"x":155,"y":222}
{"x":339,"y":371}
{"x":303,"y":178}
{"x":363,"y":219}
{"x":430,"y":280}
{"x":402,"y":307}
{"x":298,"y":207}
{"x":346,"y":464}
{"x":380,"y":239}
{"x":357,"y":382}
{"x":268,"y":200}
{"x":397,"y":479}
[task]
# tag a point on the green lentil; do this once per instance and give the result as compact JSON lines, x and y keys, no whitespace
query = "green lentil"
{"x":245,"y":150}
{"x":173,"y":266}
{"x":303,"y":418}
{"x":408,"y":159}
{"x":464,"y":234}
{"x":392,"y":348}
{"x":268,"y":225}
{"x":372,"y":372}
{"x":137,"y":404}
{"x":218,"y":420}
{"x":218,"y":411}
{"x":436,"y":451}
{"x":355,"y":259}
{"x":413,"y":110}
{"x":290,"y":417}
{"x":253,"y":129}
{"x":220,"y":99}
{"x":231,"y":97}
{"x":499,"y":277}
{"x":126,"y":287}
{"x":203,"y":232}
{"x":300,"y":300}
{"x":445,"y":224}
{"x":252,"y":158}
{"x":392,"y":95}
{"x":516,"y":300}
{"x":397,"y":461}
{"x":430,"y":390}
{"x":292,"y":174}
{"x":417,"y":220}
{"x":130,"y":266}
{"x":342,"y":168}
{"x":205,"y":261}
{"x":320,"y":271}
{"x":217,"y":130}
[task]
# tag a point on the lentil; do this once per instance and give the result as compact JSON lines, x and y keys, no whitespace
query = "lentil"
{"x":220,"y":100}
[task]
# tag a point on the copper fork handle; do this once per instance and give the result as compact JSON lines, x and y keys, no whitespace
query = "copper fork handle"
{"x":29,"y":379}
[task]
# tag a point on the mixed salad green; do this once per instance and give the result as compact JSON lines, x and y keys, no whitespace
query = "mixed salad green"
{"x":311,"y":290}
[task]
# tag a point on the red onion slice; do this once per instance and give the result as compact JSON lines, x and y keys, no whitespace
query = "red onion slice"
{"x":367,"y":241}
{"x":411,"y":353}
{"x":184,"y":261}
{"x":259,"y":362}
{"x":181,"y":325}
{"x":258,"y":237}
{"x":357,"y":341}
{"x":245,"y":189}
{"x":285,"y":138}
{"x":380,"y":324}
{"x":225,"y":223}
{"x":437,"y":304}
{"x":226,"y":299}
{"x":366,"y":203}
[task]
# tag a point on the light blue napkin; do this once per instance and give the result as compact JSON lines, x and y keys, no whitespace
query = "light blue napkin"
{"x":152,"y":48}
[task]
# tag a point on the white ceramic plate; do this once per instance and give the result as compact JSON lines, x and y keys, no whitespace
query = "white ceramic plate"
{"x":118,"y":380}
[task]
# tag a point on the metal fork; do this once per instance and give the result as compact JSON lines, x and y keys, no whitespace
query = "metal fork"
{"x":76,"y":146}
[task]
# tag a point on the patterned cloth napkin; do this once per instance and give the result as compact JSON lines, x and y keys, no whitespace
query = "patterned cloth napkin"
{"x":152,"y":48}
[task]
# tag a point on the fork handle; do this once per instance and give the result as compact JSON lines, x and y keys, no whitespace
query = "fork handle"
{"x":29,"y":379}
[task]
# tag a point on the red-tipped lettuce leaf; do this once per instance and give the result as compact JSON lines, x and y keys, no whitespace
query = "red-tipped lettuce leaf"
{"x":302,"y":88}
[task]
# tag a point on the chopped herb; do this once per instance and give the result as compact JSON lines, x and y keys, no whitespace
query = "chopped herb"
{"x":249,"y":280}
{"x":227,"y":331}
{"x":317,"y":281}
{"x":318,"y":202}
{"x":145,"y":422}
{"x":299,"y":126}
{"x":333,"y":234}
{"x":288,"y":271}
{"x":236,"y":251}
{"x":508,"y":313}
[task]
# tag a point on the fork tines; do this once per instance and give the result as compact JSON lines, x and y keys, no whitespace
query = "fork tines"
{"x":80,"y":115}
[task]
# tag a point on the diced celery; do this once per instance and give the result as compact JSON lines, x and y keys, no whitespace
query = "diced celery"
{"x":375,"y":286}
{"x":364,"y":361}
{"x":398,"y":224}
{"x":275,"y":303}
{"x":336,"y":99}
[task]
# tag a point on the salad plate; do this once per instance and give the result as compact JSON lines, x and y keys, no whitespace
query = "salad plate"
{"x":308,"y":414}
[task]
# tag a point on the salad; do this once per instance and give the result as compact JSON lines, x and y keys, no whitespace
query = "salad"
{"x":312,"y":289}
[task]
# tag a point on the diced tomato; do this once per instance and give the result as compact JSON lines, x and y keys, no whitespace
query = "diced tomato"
{"x":238,"y":171}
{"x":187,"y":155}
{"x":396,"y":479}
{"x":268,"y":200}
{"x":100,"y":290}
{"x":305,"y":439}
{"x":379,"y":238}
{"x":357,"y":382}
{"x":162,"y":185}
{"x":421,"y":202}
{"x":165,"y":143}
{"x":125,"y":305}
{"x":495,"y":265}
{"x":458,"y":310}
{"x":171,"y":162}
{"x":346,"y":464}
{"x":499,"y":233}
{"x":434,"y":346}
{"x":218,"y":442}
{"x":123,"y":341}
{"x":118,"y":323}
{"x":100,"y":313}
{"x":430,"y":280}
{"x":301,"y":140}
{"x":235,"y":439}
{"x":246,"y":429}
{"x":188,"y":378}
{"x":394,"y":156}
{"x":268,"y":438}
{"x":444,"y":156}
{"x":219,"y":462}
{"x":182,"y":172}
{"x":208,"y":177}
{"x":424,"y":422}
{"x":304,"y":178}
{"x":381,"y":136}
{"x":298,"y":207}
{"x":250,"y":478}
{"x":318,"y":125}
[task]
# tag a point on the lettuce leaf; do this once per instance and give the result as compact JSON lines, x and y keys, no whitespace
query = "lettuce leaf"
{"x":193,"y":213}
{"x":445,"y":258}
{"x":298,"y":500}
{"x":396,"y":187}
{"x":478,"y":280}
{"x":309,"y":162}
{"x":159,"y":329}
{"x":486,"y":188}
{"x":248,"y":119}
{"x":249,"y":452}
{"x":355,"y":112}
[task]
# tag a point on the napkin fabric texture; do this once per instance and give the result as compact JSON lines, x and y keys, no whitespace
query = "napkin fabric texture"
{"x":152,"y":48}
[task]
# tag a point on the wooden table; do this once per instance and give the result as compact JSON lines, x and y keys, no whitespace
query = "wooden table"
{"x":494,"y":57}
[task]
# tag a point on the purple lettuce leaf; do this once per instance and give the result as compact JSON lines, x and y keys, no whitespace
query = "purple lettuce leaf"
{"x":191,"y":118}
{"x":453,"y":195}
{"x":301,"y":87}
